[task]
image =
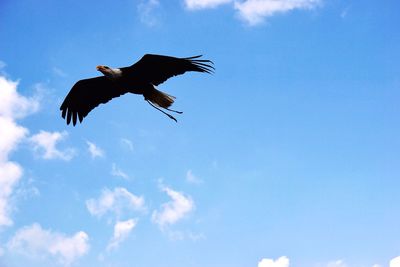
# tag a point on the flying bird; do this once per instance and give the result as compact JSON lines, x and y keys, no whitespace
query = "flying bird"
{"x":141,"y":78}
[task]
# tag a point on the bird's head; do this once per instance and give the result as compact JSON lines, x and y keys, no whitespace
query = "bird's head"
{"x":109,"y":72}
{"x":103,"y":69}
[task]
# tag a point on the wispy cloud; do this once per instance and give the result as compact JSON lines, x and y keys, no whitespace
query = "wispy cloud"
{"x":127,"y":143}
{"x":280,"y":262}
{"x":146,"y":11}
{"x":2,"y":65}
{"x":191,"y":178}
{"x":196,"y":236}
{"x":59,"y":72}
{"x":115,"y":201}
{"x":117,"y":172}
{"x":173,"y":211}
{"x":13,"y":107}
{"x":26,"y":189}
{"x":94,"y":150}
{"x":344,"y":12}
{"x":35,"y":241}
{"x":44,"y":143}
{"x":122,"y":229}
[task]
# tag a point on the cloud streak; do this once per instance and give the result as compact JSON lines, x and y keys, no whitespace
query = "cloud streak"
{"x":127,"y":143}
{"x":146,"y":12}
{"x":94,"y":150}
{"x":117,"y":172}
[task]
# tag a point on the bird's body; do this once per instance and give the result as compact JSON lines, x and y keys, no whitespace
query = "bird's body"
{"x":140,"y":78}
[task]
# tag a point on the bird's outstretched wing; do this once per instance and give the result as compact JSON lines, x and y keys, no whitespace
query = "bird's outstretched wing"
{"x":156,"y":69}
{"x":87,"y":94}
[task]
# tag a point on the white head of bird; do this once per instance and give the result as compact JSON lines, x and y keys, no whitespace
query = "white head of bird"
{"x":109,"y":72}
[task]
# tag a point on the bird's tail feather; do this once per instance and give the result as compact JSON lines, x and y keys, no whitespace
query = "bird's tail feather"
{"x":159,"y":98}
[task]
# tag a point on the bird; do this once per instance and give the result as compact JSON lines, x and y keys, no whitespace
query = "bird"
{"x":141,"y":78}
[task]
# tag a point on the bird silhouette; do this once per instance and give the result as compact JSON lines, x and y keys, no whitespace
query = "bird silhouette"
{"x":140,"y":78}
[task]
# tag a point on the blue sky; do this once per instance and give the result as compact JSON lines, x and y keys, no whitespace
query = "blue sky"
{"x":286,"y":156}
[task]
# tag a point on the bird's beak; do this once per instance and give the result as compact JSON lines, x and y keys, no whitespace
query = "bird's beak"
{"x":99,"y":68}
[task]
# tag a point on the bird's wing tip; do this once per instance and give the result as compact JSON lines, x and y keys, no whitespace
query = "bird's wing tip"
{"x":193,"y":57}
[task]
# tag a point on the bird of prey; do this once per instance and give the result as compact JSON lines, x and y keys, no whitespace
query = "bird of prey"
{"x":140,"y":78}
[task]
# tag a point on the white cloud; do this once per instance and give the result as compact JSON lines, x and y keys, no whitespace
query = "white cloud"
{"x":10,"y":174}
{"x":94,"y":150}
{"x":122,"y":229}
{"x":35,"y":241}
{"x":127,"y":143}
{"x":395,"y":262}
{"x":201,"y":4}
{"x":11,"y":135}
{"x":115,"y":201}
{"x":115,"y":171}
{"x":376,"y":265}
{"x":146,"y":12}
{"x":191,"y":178}
{"x":13,"y":106}
{"x":280,"y":262}
{"x":45,"y":143}
{"x":255,"y":11}
{"x":174,"y":210}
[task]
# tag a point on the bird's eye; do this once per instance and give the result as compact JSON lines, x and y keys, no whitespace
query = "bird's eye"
{"x":106,"y":67}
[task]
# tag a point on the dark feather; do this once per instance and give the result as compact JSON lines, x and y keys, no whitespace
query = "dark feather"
{"x":87,"y":94}
{"x":156,"y":69}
